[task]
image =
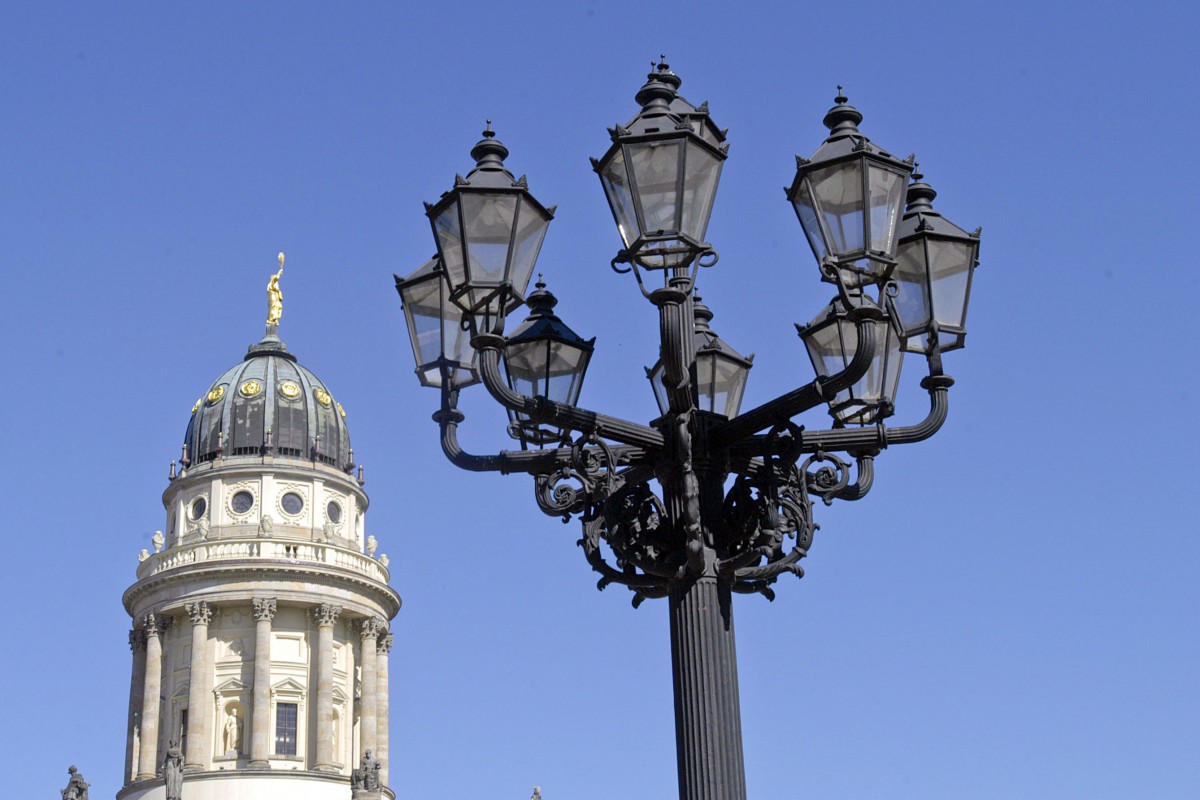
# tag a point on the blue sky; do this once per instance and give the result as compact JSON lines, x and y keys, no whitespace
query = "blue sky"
{"x":1012,"y":611}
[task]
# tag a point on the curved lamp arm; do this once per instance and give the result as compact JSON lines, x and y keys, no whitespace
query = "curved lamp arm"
{"x":547,"y":411}
{"x":881,"y":436}
{"x":864,"y":481}
{"x":800,"y":400}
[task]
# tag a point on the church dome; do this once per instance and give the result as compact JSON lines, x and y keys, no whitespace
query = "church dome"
{"x":268,"y":405}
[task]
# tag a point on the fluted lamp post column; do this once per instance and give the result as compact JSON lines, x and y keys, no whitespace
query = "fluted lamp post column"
{"x":706,"y":500}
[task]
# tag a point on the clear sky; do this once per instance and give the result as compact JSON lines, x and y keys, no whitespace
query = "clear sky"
{"x":1012,"y":611}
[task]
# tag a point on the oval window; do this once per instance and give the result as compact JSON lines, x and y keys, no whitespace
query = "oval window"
{"x":199,"y":506}
{"x":334,"y":512}
{"x":292,"y":503}
{"x":242,"y":502}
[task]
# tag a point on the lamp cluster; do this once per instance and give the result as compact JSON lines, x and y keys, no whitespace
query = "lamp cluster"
{"x":706,"y":499}
{"x":890,"y":255}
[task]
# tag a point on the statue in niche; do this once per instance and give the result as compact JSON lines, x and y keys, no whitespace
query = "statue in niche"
{"x":265,"y":526}
{"x":76,"y":786}
{"x":173,"y":771}
{"x":232,"y":736}
{"x":366,"y":777}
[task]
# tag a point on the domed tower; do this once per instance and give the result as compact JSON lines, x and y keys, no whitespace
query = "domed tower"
{"x":260,"y":623}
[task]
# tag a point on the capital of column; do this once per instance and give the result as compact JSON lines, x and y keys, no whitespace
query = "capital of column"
{"x":326,"y":613}
{"x":155,"y":624}
{"x":200,"y":613}
{"x":384,"y":644}
{"x":137,"y":639}
{"x":372,"y":627}
{"x":264,"y":608}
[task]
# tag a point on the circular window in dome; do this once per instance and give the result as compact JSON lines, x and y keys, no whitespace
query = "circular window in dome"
{"x":289,"y":389}
{"x":241,"y":502}
{"x":199,"y":506}
{"x":292,"y":503}
{"x":250,"y":388}
{"x":334,"y":512}
{"x":322,"y":397}
{"x":215,"y":394}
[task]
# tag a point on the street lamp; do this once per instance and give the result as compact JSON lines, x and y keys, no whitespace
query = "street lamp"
{"x":706,"y":500}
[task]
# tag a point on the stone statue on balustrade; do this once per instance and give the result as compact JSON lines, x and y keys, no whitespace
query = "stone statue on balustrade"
{"x":76,"y":786}
{"x":364,"y":780}
{"x":173,"y":772}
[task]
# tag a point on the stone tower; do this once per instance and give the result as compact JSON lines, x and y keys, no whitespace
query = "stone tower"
{"x":261,"y":622}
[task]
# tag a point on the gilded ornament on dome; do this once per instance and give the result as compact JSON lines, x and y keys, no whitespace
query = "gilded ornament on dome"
{"x":323,"y":397}
{"x":250,"y":388}
{"x":341,"y":410}
{"x":199,"y":400}
{"x":215,"y":394}
{"x":289,"y":389}
{"x":275,"y":296}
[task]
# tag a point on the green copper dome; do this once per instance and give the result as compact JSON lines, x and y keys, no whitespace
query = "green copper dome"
{"x":268,"y":405}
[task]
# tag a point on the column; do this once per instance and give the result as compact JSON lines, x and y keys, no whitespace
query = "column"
{"x":155,"y":625}
{"x":260,"y":720}
{"x":325,"y":615}
{"x":381,"y":725}
{"x":137,"y":643}
{"x":200,"y":615}
{"x":708,"y":727}
{"x":370,"y":628}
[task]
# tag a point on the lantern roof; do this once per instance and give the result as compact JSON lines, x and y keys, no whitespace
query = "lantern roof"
{"x":845,"y":139}
{"x":920,"y":215}
{"x":664,"y":109}
{"x":707,"y":339}
{"x":543,"y":323}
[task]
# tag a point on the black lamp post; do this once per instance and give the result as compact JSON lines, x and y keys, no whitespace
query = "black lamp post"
{"x":706,"y":500}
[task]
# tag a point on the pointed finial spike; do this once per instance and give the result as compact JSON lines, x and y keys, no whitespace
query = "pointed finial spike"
{"x":488,"y":133}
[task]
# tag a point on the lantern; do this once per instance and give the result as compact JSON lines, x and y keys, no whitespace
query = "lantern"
{"x":718,"y":375}
{"x":660,"y":175}
{"x":544,"y":358}
{"x":832,"y":341}
{"x":441,"y":346}
{"x":848,"y":198}
{"x":489,"y":229}
{"x":934,"y":265}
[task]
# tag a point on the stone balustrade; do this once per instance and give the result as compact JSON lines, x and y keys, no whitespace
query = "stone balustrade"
{"x":284,"y":550}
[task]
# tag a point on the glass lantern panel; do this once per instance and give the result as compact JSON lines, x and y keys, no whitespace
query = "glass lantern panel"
{"x":655,"y":170}
{"x":886,"y":197}
{"x":808,"y":220}
{"x":449,"y":236}
{"x":949,"y":271}
{"x":838,"y":193}
{"x":702,"y":171}
{"x":423,"y":311}
{"x":620,"y":197}
{"x":719,"y":384}
{"x":531,"y":231}
{"x":911,"y":303}
{"x":489,"y":226}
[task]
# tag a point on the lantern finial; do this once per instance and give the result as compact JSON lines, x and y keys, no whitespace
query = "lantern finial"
{"x":843,"y":118}
{"x":489,"y":152}
{"x":920,"y":194}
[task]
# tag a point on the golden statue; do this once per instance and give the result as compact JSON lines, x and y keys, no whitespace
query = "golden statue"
{"x":275,"y":296}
